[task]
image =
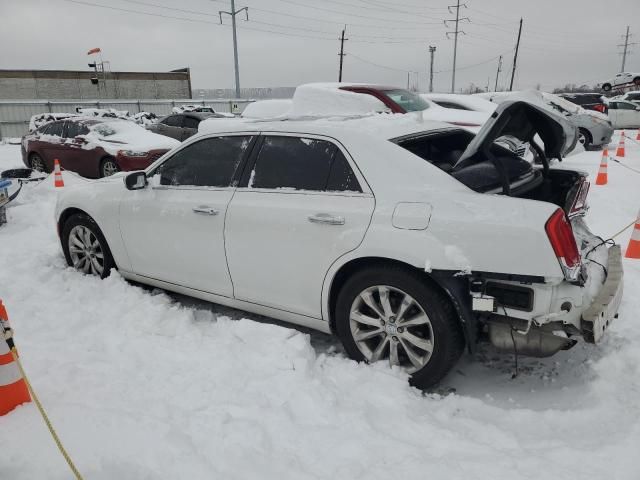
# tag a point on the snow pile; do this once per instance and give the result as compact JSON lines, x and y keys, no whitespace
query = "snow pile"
{"x":325,"y":99}
{"x":143,"y":385}
{"x":267,"y":108}
{"x":125,"y":135}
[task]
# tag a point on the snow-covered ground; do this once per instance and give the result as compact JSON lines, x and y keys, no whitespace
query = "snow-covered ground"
{"x":145,"y":385}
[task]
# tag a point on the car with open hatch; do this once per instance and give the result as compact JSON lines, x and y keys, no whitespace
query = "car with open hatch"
{"x":409,"y":240}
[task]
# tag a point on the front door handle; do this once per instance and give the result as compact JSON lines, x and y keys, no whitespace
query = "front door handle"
{"x":205,"y":210}
{"x":326,"y":219}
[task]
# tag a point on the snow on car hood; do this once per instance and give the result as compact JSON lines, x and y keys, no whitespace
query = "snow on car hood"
{"x":124,"y":135}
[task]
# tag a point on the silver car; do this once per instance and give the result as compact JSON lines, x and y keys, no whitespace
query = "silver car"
{"x":181,"y":125}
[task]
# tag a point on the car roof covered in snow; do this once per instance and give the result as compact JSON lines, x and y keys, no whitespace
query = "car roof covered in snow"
{"x":382,"y":126}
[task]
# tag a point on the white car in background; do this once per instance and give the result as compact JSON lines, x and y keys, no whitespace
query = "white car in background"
{"x":624,"y":114}
{"x":620,"y":80}
{"x":407,"y":239}
{"x":629,"y":97}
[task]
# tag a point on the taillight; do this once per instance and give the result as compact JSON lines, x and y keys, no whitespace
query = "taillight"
{"x":563,"y":243}
{"x":599,"y":108}
{"x":579,"y":205}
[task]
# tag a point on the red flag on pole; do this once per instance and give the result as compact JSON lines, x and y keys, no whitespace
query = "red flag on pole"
{"x":93,"y":50}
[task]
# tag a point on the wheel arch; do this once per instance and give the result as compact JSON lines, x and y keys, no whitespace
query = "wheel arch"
{"x":455,"y":289}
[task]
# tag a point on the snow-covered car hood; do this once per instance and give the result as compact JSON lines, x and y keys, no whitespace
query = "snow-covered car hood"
{"x":125,"y":135}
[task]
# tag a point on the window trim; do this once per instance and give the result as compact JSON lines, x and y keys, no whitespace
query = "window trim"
{"x":150,"y":172}
{"x":250,"y":164}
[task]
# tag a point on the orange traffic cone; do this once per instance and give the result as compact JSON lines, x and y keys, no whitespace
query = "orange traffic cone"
{"x":602,"y":178}
{"x":633,"y":250}
{"x":620,"y":150}
{"x":58,"y":182}
{"x":13,"y":388}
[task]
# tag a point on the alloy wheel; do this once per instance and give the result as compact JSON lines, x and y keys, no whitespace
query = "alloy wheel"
{"x":387,"y":323}
{"x":37,"y":163}
{"x":109,"y":167}
{"x":85,"y":250}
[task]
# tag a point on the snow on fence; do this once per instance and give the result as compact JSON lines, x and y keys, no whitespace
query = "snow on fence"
{"x":15,"y":114}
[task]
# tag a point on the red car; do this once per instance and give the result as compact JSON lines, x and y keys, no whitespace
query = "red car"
{"x":93,"y":147}
{"x":397,"y":100}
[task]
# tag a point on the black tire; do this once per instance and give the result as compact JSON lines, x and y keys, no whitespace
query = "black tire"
{"x":606,"y":87}
{"x":636,"y":81}
{"x":587,"y":138}
{"x":37,"y":163}
{"x":448,"y":337}
{"x":83,"y":220}
{"x":108,"y":167}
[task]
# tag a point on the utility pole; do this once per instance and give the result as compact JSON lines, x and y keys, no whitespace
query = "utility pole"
{"x":233,"y":14}
{"x":432,"y":51}
{"x":515,"y":57}
{"x":341,"y":54}
{"x":495,"y":89}
{"x":455,"y":33}
{"x":625,"y":50}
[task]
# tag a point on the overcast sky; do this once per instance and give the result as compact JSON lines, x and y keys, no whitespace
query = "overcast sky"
{"x":288,"y":42}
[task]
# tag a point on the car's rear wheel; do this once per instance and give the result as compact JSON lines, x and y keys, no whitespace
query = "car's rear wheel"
{"x":36,"y":162}
{"x":636,"y":81}
{"x":394,"y":315}
{"x":85,"y":247}
{"x":606,"y":87}
{"x":108,"y":167}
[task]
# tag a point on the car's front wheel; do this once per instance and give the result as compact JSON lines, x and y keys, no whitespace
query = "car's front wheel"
{"x":108,"y":167}
{"x":85,"y":247}
{"x":395,"y":315}
{"x":606,"y":87}
{"x":584,"y":137}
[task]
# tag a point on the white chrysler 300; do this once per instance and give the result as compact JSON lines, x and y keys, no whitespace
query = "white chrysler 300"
{"x":406,"y":239}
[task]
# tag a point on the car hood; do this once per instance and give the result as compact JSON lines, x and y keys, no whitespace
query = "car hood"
{"x":524,"y":121}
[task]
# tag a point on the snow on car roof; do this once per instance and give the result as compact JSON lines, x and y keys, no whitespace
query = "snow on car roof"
{"x":382,"y":125}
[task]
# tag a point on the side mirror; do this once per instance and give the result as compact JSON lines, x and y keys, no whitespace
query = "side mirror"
{"x":136,"y":181}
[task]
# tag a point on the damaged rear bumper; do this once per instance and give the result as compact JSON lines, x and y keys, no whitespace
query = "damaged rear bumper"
{"x":604,"y":307}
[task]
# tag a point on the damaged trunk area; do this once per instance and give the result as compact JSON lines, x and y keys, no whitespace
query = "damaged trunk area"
{"x":501,"y":171}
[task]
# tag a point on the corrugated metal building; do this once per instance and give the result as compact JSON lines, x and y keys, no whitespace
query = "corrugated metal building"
{"x":72,"y":84}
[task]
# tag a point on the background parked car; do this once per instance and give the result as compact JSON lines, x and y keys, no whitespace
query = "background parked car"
{"x":93,"y":147}
{"x":624,"y":114}
{"x":461,"y":102}
{"x":588,"y":101}
{"x":623,"y":78}
{"x":181,"y":125}
{"x":629,"y":97}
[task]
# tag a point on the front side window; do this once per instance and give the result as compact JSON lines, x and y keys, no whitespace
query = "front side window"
{"x":301,"y":163}
{"x":211,"y":162}
{"x":626,"y":106}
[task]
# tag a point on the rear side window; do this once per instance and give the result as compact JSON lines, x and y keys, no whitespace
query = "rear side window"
{"x":74,"y":129}
{"x":211,"y":162}
{"x":302,"y":164}
{"x":191,"y":122}
{"x":173,"y":121}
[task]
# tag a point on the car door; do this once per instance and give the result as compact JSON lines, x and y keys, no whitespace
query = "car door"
{"x":299,"y":207}
{"x":628,"y":115}
{"x":51,"y":144}
{"x":77,"y":157}
{"x":173,"y":230}
{"x":189,"y":126}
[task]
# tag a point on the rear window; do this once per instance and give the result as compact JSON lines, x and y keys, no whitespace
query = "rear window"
{"x":54,"y":128}
{"x":191,"y":122}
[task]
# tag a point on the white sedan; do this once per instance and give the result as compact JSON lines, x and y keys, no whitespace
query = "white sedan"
{"x":624,"y":114}
{"x":406,"y":239}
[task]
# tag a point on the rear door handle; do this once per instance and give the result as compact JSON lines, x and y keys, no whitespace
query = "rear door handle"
{"x":205,"y":210}
{"x":326,"y":219}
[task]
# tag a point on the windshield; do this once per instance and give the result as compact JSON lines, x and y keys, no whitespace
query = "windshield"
{"x":104,"y":129}
{"x":407,"y":100}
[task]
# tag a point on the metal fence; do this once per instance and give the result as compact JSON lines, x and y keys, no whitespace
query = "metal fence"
{"x":15,"y":114}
